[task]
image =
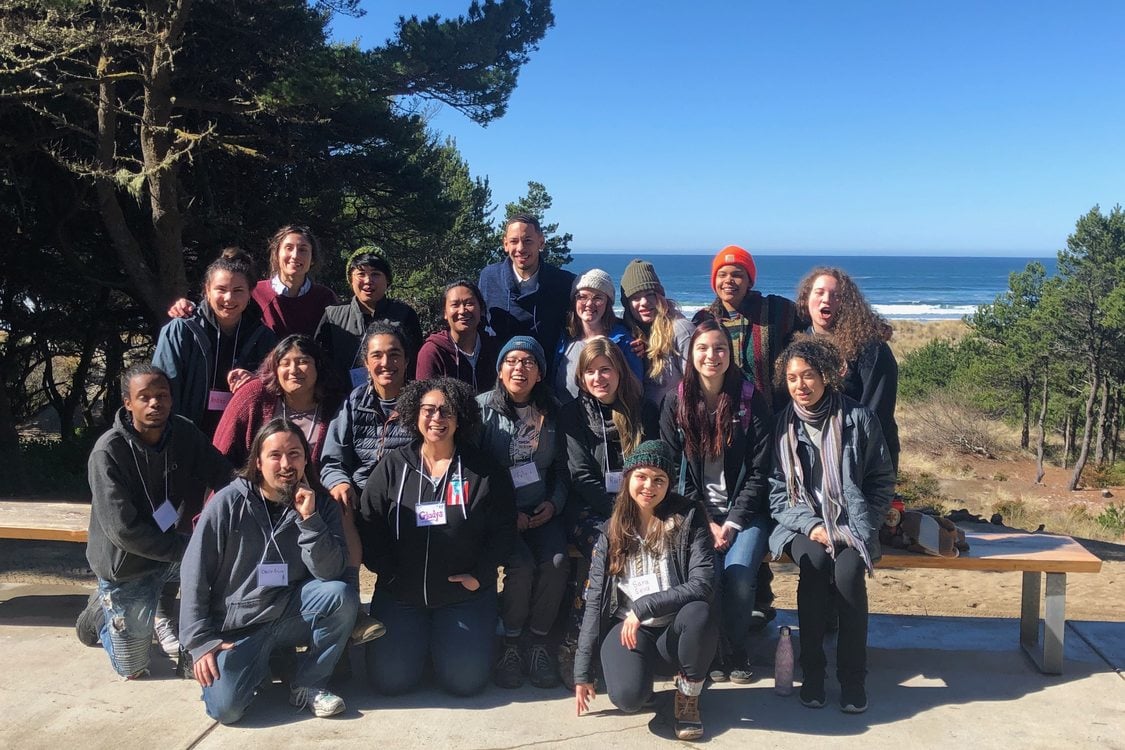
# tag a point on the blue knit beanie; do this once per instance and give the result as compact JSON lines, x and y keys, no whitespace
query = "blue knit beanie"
{"x":655,"y":454}
{"x":524,"y":344}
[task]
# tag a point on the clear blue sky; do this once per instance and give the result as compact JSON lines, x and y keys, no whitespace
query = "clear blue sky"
{"x":982,"y":128}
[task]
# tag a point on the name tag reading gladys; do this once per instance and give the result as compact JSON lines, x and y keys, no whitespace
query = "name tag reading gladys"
{"x":430,"y":514}
{"x":217,"y":400}
{"x":166,"y":515}
{"x":358,"y":376}
{"x":524,"y":474}
{"x":644,"y":585}
{"x":273,"y":574}
{"x":613,"y":481}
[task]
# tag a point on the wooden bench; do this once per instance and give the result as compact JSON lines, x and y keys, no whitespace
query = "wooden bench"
{"x":50,"y":521}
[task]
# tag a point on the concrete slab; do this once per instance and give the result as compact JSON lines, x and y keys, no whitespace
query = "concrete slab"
{"x":934,"y":682}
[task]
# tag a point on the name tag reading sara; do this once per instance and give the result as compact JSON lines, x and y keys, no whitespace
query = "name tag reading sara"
{"x":613,"y":481}
{"x":273,"y":574}
{"x":217,"y":400}
{"x":644,"y":585}
{"x":524,"y":474}
{"x":166,"y":515}
{"x":430,"y":514}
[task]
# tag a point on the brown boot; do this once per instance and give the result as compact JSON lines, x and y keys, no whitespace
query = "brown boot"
{"x":686,"y":720}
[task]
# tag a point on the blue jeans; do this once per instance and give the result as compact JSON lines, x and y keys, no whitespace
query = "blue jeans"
{"x":740,"y":579}
{"x":130,"y":607}
{"x":458,"y":637}
{"x":320,"y":614}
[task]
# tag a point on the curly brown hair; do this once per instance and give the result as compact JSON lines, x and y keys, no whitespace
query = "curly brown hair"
{"x":820,"y":352}
{"x":857,"y":324}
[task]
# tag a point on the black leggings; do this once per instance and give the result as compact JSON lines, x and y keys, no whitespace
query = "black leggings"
{"x":813,"y":591}
{"x":685,"y":645}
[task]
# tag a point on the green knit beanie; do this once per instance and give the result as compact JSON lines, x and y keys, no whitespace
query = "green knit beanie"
{"x":654,"y":454}
{"x":368,"y":255}
{"x":639,"y":276}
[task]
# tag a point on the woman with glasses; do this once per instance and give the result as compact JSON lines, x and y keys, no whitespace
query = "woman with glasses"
{"x":520,"y":433}
{"x":591,"y":314}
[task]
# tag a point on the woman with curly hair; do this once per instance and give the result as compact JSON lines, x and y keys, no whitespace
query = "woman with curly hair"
{"x":657,"y":322}
{"x":830,"y":488}
{"x":830,"y":304}
{"x":437,"y":518}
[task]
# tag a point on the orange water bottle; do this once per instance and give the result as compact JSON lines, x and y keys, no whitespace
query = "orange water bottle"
{"x":783,"y":663}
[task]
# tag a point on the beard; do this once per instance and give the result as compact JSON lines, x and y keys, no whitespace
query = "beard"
{"x":287,"y":491}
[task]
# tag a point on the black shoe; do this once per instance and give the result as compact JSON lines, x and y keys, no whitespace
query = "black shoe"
{"x":761,"y":616}
{"x":541,"y":670}
{"x":508,"y":672}
{"x":564,"y":657}
{"x":853,"y":699}
{"x":812,"y":691}
{"x":185,"y":665}
{"x":90,"y":621}
{"x":740,"y":672}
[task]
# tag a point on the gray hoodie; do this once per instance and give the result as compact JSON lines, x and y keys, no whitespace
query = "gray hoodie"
{"x":219,"y":591}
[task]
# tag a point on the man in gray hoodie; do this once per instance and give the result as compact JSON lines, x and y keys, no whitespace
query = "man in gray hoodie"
{"x":262,"y":571}
{"x":148,"y":475}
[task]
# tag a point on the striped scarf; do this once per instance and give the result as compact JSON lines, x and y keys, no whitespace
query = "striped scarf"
{"x":829,"y":414}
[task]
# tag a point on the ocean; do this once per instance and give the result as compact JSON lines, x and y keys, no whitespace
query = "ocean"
{"x":899,"y":287}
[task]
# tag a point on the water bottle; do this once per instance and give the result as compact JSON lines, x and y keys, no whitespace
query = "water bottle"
{"x":783,"y":663}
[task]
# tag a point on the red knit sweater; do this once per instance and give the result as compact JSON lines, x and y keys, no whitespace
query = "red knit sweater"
{"x":286,"y":315}
{"x":251,"y":407}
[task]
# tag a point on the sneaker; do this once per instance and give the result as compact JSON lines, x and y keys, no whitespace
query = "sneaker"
{"x":718,"y":671}
{"x":509,"y":668}
{"x":367,"y":628}
{"x":761,"y":616}
{"x":686,"y":721}
{"x":185,"y":665}
{"x":564,"y":657}
{"x":740,"y":673}
{"x":540,"y":667}
{"x":812,"y":692}
{"x":165,"y":631}
{"x":320,"y":701}
{"x":853,"y":699}
{"x":90,"y":621}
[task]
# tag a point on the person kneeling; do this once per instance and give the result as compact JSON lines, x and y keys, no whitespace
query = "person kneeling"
{"x":261,"y":572}
{"x":649,"y":595}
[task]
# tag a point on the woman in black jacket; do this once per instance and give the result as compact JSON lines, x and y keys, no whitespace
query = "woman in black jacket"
{"x":718,"y":423}
{"x":437,"y":518}
{"x":648,"y":598}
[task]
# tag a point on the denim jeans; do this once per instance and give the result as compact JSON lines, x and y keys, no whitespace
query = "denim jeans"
{"x":129,"y":608}
{"x":320,"y":615}
{"x":740,"y":579}
{"x":458,"y":637}
{"x":535,"y":580}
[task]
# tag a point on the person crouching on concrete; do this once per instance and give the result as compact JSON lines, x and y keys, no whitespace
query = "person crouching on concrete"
{"x":649,"y":595}
{"x":830,"y":489}
{"x":263,"y":571}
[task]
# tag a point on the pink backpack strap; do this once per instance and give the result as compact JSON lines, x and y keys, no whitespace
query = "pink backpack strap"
{"x":744,"y":410}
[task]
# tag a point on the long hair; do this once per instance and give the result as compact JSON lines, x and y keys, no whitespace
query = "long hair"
{"x":626,"y":406}
{"x":660,"y":337}
{"x":574,"y":325}
{"x":857,"y":324}
{"x":542,"y":398}
{"x":279,"y":235}
{"x":251,"y":473}
{"x":707,"y":434}
{"x":625,"y":534}
{"x":327,"y":389}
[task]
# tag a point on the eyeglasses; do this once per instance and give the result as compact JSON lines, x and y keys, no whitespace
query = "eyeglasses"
{"x":590,"y":299}
{"x":528,"y":363}
{"x":429,"y":411}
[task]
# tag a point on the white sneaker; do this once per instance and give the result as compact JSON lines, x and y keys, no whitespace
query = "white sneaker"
{"x":320,"y":701}
{"x":166,"y":634}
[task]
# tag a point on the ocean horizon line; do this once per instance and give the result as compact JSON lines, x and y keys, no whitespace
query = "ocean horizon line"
{"x":992,"y":254}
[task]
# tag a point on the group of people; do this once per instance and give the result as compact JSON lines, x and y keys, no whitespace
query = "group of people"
{"x":279,"y":440}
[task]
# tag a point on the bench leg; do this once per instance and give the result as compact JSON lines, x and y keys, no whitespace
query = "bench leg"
{"x":1049,"y":657}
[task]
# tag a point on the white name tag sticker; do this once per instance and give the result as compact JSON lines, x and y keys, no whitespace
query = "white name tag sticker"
{"x":430,"y":514}
{"x":358,"y":376}
{"x":166,"y":515}
{"x":524,"y":474}
{"x":217,"y":400}
{"x":273,"y":574}
{"x":613,"y":481}
{"x":644,"y":585}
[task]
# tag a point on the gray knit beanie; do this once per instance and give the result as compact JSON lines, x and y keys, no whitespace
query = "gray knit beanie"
{"x":595,"y":279}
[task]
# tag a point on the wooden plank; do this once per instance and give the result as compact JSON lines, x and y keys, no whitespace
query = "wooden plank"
{"x":1043,"y":553}
{"x":51,"y":521}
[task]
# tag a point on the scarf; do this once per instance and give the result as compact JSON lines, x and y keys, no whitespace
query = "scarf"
{"x":829,"y":415}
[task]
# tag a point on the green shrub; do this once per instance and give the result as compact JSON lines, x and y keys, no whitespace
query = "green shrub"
{"x":1112,"y":519}
{"x":918,"y":490}
{"x":51,"y":467}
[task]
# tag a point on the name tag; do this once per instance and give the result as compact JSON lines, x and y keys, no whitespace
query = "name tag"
{"x":358,"y":376}
{"x":613,"y":481}
{"x":166,"y":515}
{"x":430,"y":514}
{"x":273,"y":574}
{"x":217,"y":400}
{"x":524,"y":474}
{"x":644,"y":585}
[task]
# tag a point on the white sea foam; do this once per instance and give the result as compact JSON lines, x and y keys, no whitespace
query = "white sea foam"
{"x":892,"y":312}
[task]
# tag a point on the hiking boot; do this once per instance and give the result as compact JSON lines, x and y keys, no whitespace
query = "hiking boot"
{"x":541,"y":667}
{"x":853,"y":698}
{"x":320,"y":701}
{"x":165,"y":631}
{"x":740,"y":672}
{"x":812,"y":691}
{"x":366,"y":629}
{"x":509,"y":668}
{"x":686,"y":721}
{"x":564,"y":656}
{"x":90,"y":621}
